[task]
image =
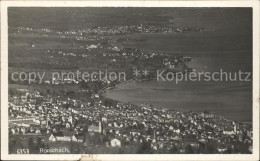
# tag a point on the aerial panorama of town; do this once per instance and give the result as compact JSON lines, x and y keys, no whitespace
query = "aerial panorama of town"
{"x":75,"y":116}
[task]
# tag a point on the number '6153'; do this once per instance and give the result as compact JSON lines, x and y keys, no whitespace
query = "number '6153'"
{"x":22,"y":151}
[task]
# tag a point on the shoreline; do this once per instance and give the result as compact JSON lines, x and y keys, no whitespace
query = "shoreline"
{"x":107,"y":88}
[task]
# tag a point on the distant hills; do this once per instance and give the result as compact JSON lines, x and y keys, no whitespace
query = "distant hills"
{"x":80,"y":17}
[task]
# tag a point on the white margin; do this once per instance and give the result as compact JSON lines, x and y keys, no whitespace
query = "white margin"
{"x":4,"y":79}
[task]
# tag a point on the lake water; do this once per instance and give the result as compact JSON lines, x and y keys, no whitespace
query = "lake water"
{"x":233,"y":100}
{"x":227,"y":45}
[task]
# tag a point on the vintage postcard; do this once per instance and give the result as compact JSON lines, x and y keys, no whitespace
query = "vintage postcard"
{"x":130,"y":80}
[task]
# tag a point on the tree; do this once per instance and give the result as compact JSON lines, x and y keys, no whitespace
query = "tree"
{"x":188,"y":149}
{"x":145,"y":148}
{"x":17,"y":144}
{"x":71,"y":147}
{"x":31,"y":146}
{"x":174,"y":150}
{"x":201,"y":148}
{"x":12,"y":146}
{"x":228,"y":151}
{"x":210,"y":148}
{"x":40,"y":144}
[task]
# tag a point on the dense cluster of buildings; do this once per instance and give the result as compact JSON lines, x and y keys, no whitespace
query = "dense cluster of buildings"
{"x":109,"y":30}
{"x":120,"y":124}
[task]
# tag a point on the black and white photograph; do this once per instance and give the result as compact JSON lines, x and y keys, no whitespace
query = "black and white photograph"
{"x":130,"y":80}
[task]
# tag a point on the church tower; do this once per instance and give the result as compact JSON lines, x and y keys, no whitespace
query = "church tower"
{"x":71,"y":119}
{"x":99,"y":127}
{"x":235,"y":128}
